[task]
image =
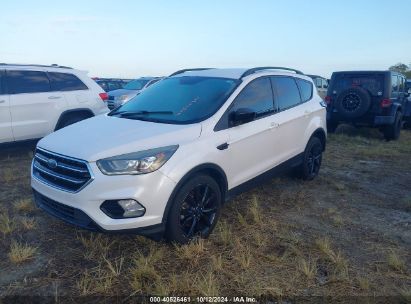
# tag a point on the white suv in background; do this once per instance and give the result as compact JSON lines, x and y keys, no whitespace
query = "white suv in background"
{"x":36,"y":100}
{"x":169,"y":158}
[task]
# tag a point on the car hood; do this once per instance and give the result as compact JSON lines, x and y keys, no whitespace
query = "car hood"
{"x":105,"y":136}
{"x":120,"y":92}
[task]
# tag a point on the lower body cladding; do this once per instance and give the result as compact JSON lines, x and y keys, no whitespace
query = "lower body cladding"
{"x":84,"y":208}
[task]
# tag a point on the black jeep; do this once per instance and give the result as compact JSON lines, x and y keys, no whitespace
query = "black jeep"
{"x":368,"y":98}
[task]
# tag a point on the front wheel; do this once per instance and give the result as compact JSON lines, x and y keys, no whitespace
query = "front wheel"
{"x":194,"y":211}
{"x":312,"y":159}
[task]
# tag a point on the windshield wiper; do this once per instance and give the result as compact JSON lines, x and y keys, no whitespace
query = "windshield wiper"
{"x":141,"y":113}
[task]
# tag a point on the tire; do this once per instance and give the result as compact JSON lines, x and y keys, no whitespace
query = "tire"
{"x":69,"y":120}
{"x":190,"y":216}
{"x":353,"y":103}
{"x":392,"y":132}
{"x":312,"y":158}
{"x":331,"y":126}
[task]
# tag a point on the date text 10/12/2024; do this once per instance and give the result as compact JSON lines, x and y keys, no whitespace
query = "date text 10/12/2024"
{"x":239,"y":299}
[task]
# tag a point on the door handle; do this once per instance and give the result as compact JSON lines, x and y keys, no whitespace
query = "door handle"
{"x":307,"y":112}
{"x":223,"y":146}
{"x":274,"y":125}
{"x":2,"y":101}
{"x":54,"y":97}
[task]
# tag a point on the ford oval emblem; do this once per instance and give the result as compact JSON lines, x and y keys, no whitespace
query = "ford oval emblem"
{"x":52,"y":163}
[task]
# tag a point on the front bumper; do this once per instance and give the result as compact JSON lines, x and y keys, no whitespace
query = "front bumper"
{"x":151,"y":190}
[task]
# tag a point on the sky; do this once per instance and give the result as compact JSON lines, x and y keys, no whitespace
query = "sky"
{"x":153,"y":38}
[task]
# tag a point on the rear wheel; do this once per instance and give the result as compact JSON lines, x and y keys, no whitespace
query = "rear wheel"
{"x":312,"y":159}
{"x":194,"y":211}
{"x":392,"y":132}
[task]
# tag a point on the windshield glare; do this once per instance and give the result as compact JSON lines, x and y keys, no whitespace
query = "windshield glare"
{"x":137,"y":84}
{"x":186,"y":99}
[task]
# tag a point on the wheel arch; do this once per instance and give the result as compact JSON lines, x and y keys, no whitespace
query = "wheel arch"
{"x":210,"y":169}
{"x":85,"y":111}
{"x":322,"y":136}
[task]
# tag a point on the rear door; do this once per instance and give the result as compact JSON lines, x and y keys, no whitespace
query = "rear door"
{"x":74,"y":90}
{"x":6,"y":134}
{"x":292,"y":118}
{"x":34,"y":107}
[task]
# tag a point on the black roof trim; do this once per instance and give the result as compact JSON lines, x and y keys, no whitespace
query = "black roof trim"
{"x":188,"y":70}
{"x":36,"y":65}
{"x":253,"y":70}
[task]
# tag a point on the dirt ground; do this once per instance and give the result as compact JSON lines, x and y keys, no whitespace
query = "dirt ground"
{"x":345,"y":235}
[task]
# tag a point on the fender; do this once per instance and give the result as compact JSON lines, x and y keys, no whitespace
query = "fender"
{"x":216,"y":172}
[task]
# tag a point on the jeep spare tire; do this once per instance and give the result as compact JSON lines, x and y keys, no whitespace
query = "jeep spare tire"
{"x":353,"y":103}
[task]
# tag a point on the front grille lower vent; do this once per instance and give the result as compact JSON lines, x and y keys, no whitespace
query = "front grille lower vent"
{"x":62,"y":172}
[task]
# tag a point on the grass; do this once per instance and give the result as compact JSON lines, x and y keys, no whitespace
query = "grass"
{"x":20,"y":252}
{"x":28,"y":223}
{"x":395,"y":262}
{"x":7,"y":225}
{"x":332,"y":236}
{"x":25,"y":205}
{"x":308,"y":267}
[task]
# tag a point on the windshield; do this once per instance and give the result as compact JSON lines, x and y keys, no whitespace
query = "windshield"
{"x":371,"y":82}
{"x":137,"y":84}
{"x":179,"y":100}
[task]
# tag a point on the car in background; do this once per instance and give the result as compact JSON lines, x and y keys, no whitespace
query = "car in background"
{"x":119,"y":97}
{"x":36,"y":100}
{"x":111,"y":84}
{"x":368,"y":98}
{"x":321,"y":84}
{"x":407,"y":112}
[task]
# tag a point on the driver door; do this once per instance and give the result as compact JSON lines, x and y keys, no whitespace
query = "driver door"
{"x":251,"y":149}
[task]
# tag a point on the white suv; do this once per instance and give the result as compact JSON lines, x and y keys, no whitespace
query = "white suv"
{"x":170,"y":157}
{"x":35,"y":100}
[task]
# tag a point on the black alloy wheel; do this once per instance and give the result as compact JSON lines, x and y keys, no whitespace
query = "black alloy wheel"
{"x":194,"y":209}
{"x":312,"y":159}
{"x":198,"y":211}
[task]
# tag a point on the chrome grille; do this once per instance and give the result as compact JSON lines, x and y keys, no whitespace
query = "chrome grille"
{"x":62,"y":172}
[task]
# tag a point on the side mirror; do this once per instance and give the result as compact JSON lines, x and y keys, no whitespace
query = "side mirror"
{"x":241,"y":116}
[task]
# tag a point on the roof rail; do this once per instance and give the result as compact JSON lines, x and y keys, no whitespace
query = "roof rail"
{"x":253,"y":70}
{"x":36,"y":65}
{"x":188,"y":70}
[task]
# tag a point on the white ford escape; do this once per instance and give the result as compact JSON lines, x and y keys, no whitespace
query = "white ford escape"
{"x":171,"y":156}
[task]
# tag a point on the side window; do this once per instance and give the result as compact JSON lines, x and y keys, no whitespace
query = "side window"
{"x":286,"y":92}
{"x":306,"y":89}
{"x":27,"y":82}
{"x":325,"y":83}
{"x":1,"y":83}
{"x":256,"y":96}
{"x":65,"y":82}
{"x":394,"y":85}
{"x":113,"y":86}
{"x":402,"y":84}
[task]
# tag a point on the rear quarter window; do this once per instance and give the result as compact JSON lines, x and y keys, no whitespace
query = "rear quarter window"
{"x":374,"y":83}
{"x":306,"y":89}
{"x":66,"y":82}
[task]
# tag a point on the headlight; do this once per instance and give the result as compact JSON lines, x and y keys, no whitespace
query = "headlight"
{"x":136,"y":163}
{"x":123,"y":98}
